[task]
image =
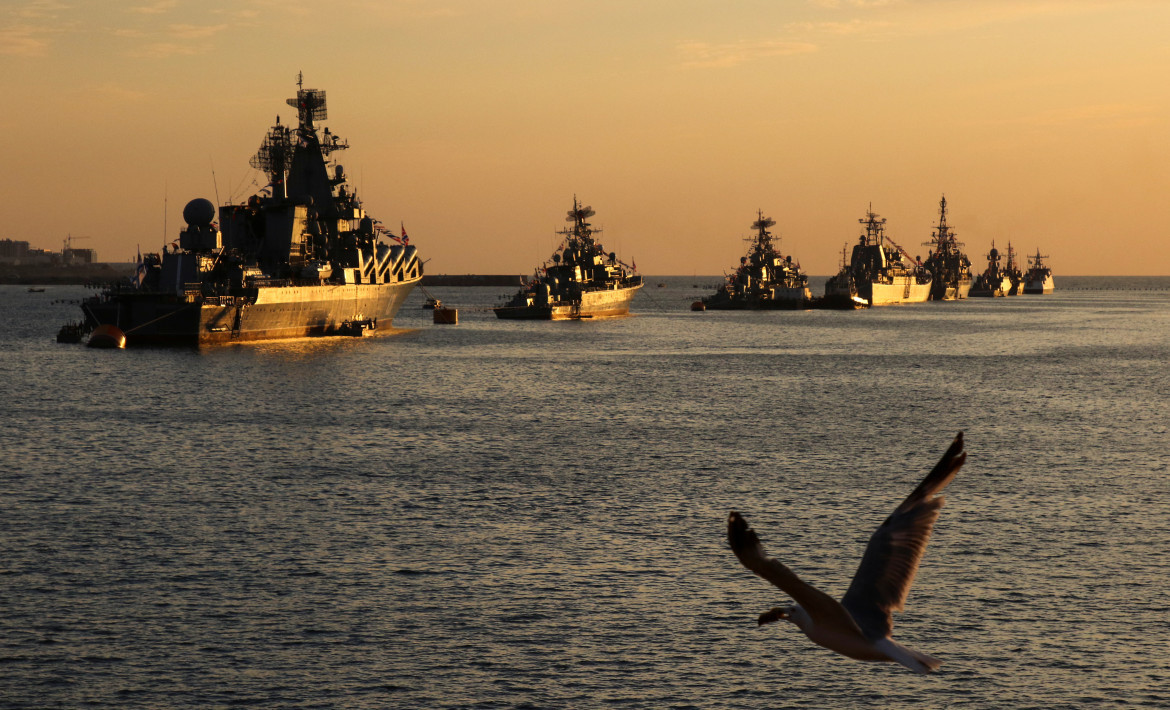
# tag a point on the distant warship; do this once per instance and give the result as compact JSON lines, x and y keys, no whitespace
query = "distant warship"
{"x":993,"y":281}
{"x":879,"y":272}
{"x":764,"y":279}
{"x":1039,"y":277}
{"x":1012,"y":270}
{"x":949,"y":267}
{"x":301,"y":258}
{"x":580,"y":281}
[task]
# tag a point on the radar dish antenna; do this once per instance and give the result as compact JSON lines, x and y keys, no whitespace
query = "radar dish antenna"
{"x":580,"y":214}
{"x":309,"y":103}
{"x":763,"y":223}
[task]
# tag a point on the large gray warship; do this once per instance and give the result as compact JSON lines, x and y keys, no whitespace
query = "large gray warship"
{"x":1012,"y":270}
{"x":879,"y":272}
{"x":765,"y":279}
{"x":581,"y":280}
{"x":1039,"y":277}
{"x":301,"y":258}
{"x":949,"y":267}
{"x":994,"y":281}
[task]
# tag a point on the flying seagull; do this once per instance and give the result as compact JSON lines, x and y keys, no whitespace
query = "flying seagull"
{"x":859,"y":626}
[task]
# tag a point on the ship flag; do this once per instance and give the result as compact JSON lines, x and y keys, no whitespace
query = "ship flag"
{"x":405,"y":239}
{"x":139,"y":270}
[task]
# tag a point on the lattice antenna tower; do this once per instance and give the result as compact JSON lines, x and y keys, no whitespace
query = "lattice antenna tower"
{"x":275,"y":152}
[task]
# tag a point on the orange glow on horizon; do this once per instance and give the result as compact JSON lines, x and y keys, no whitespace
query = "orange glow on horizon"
{"x":474,"y":123}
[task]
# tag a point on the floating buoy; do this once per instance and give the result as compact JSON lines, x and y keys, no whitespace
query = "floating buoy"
{"x":447,"y":316}
{"x":107,"y":336}
{"x":698,"y":306}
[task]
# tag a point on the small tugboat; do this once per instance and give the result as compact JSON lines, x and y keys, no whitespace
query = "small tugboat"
{"x":580,"y":281}
{"x":1039,"y":277}
{"x":993,"y":282}
{"x":879,"y":272}
{"x":1012,"y":270}
{"x":840,"y":289}
{"x":764,"y":279}
{"x":949,"y":267}
{"x":73,"y":332}
{"x":300,"y":258}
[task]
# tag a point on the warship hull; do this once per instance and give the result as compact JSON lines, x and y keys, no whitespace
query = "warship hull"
{"x":272,"y":313}
{"x":1044,"y":285}
{"x":902,"y":289}
{"x":593,"y":304}
{"x":951,"y":292}
{"x":779,"y":299}
{"x":993,"y":289}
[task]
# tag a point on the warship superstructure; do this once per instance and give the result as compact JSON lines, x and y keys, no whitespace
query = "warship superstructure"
{"x":879,"y":272}
{"x":580,"y":281}
{"x":1039,"y":277}
{"x":765,"y":278}
{"x":301,"y":258}
{"x":993,"y":282}
{"x":949,"y":267}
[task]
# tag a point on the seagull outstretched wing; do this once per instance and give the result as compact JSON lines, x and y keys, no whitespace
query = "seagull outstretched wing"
{"x":891,"y":559}
{"x":826,"y":611}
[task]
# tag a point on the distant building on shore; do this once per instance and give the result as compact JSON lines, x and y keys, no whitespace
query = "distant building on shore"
{"x":19,"y":253}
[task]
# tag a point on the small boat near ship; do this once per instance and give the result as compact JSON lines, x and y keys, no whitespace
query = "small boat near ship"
{"x":580,"y":281}
{"x":840,"y":288}
{"x":1039,"y":277}
{"x":993,"y":282}
{"x":949,"y":267}
{"x":765,"y":279}
{"x":73,"y":332}
{"x":301,"y":258}
{"x":878,"y":273}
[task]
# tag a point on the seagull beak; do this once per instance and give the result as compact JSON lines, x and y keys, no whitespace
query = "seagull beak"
{"x":777,"y":614}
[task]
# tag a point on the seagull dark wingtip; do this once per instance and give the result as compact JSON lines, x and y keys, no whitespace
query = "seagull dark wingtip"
{"x":739,"y":535}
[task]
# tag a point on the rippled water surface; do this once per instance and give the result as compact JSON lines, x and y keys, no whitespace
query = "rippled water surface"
{"x":507,"y":514}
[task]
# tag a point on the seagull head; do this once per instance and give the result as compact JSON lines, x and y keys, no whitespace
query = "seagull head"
{"x":780,"y":613}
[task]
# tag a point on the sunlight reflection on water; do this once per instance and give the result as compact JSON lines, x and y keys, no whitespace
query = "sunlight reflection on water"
{"x":500,"y":514}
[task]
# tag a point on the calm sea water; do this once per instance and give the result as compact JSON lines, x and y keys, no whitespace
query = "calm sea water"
{"x":500,"y":514}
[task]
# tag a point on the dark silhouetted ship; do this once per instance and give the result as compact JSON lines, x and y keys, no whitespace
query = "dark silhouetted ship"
{"x":1012,"y":270}
{"x":302,"y":258}
{"x":994,"y":280}
{"x":1039,"y":277}
{"x":764,"y":279}
{"x":949,"y":267}
{"x":580,"y":281}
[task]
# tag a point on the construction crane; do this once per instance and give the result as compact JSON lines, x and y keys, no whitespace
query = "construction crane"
{"x":66,"y":254}
{"x":69,"y":238}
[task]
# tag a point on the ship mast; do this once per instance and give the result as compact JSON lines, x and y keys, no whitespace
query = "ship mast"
{"x":875,"y":231}
{"x":582,"y":231}
{"x":763,"y":236}
{"x":943,"y":237}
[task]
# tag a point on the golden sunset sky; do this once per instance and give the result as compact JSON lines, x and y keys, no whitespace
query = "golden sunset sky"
{"x":475,"y":122}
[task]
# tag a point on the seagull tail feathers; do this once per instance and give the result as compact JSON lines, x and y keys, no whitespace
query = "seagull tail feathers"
{"x":916,"y":661}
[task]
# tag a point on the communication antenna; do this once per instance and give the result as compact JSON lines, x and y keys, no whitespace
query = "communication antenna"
{"x":214,"y":182}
